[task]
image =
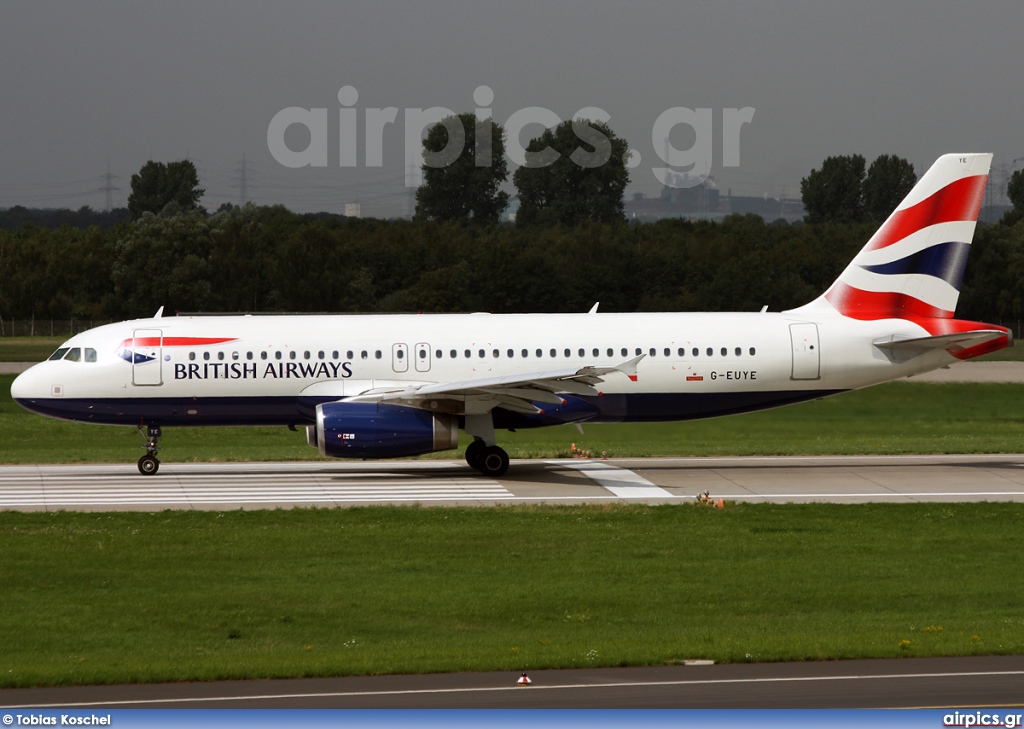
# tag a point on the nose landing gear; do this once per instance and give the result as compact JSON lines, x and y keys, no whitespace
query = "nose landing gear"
{"x":148,"y":464}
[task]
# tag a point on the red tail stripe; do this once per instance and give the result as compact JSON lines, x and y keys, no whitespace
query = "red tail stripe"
{"x":960,"y":200}
{"x":870,"y":305}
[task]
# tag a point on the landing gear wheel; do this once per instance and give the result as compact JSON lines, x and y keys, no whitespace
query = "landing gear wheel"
{"x":148,"y":465}
{"x":493,"y":462}
{"x":475,"y":454}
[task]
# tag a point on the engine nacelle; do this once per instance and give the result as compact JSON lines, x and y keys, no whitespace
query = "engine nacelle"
{"x":378,"y":430}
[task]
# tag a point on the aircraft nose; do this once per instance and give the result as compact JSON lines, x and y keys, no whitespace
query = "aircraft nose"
{"x":29,"y":386}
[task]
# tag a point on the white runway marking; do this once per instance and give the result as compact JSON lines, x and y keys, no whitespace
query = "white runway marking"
{"x":191,"y":486}
{"x":533,"y":687}
{"x":624,"y":484}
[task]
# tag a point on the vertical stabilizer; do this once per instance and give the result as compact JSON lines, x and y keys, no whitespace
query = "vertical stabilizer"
{"x":913,"y":265}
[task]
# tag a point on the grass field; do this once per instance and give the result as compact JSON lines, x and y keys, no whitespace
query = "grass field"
{"x":137,"y":597}
{"x":901,"y":417}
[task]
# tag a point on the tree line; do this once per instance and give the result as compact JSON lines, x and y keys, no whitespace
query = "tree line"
{"x":267,"y":258}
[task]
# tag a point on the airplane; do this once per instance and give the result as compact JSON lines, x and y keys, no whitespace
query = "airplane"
{"x":395,"y":385}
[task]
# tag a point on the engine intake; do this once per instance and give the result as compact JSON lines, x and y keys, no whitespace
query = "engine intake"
{"x":378,"y":430}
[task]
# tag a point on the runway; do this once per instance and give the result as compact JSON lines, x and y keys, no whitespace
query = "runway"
{"x":983,"y":681}
{"x":221,"y":486}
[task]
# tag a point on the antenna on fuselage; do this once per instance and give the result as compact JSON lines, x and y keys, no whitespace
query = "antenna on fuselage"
{"x":159,"y":313}
{"x":593,"y":309}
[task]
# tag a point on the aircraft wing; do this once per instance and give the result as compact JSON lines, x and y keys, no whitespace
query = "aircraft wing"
{"x":513,"y":392}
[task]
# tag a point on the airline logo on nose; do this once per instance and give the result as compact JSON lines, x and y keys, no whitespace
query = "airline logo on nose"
{"x":140,"y":350}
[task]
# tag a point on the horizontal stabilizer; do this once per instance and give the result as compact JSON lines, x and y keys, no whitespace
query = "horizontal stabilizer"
{"x":949,"y":342}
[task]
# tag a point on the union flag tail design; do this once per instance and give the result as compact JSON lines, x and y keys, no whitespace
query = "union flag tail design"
{"x":913,"y":265}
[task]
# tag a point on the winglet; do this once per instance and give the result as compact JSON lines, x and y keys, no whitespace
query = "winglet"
{"x":629,"y":368}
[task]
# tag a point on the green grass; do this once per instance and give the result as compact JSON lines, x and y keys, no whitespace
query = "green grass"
{"x":28,"y":349}
{"x":902,"y":417}
{"x":138,"y":597}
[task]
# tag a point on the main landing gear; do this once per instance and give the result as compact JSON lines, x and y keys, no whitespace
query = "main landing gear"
{"x":148,"y":464}
{"x":483,"y":454}
{"x":489,"y":460}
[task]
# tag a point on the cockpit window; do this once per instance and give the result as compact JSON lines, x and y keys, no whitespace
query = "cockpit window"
{"x":90,"y":354}
{"x":59,"y":354}
{"x":74,"y":354}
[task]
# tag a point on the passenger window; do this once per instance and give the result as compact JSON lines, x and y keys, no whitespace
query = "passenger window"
{"x":74,"y":355}
{"x":568,"y":352}
{"x":377,"y":354}
{"x":293,"y":354}
{"x":423,"y":353}
{"x":400,"y":354}
{"x":739,"y":351}
{"x":206,"y":355}
{"x":582,"y":352}
{"x":639,"y":351}
{"x":263,"y":355}
{"x":438,"y":354}
{"x":320,"y":354}
{"x":682,"y":352}
{"x":554,"y":353}
{"x":453,"y":354}
{"x":495,"y":353}
{"x":711,"y":352}
{"x":277,"y":355}
{"x":611,"y":352}
{"x":752,"y":352}
{"x":364,"y":354}
{"x":234,"y":355}
{"x":654,"y":352}
{"x":526,"y":353}
{"x":90,"y":354}
{"x":220,"y":355}
{"x":540,"y":352}
{"x":724,"y":351}
{"x":511,"y":353}
{"x":481,"y":353}
{"x":350,"y":354}
{"x":191,"y":355}
{"x":305,"y":355}
{"x":625,"y":352}
{"x":667,"y":351}
{"x":248,"y":355}
{"x":696,"y":352}
{"x":59,"y":354}
{"x":468,"y":354}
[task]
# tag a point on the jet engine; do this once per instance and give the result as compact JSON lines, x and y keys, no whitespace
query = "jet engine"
{"x":378,"y":430}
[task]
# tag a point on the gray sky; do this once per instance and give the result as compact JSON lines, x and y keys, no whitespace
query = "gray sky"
{"x":87,"y":86}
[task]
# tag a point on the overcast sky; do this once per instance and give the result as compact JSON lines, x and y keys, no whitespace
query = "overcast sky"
{"x":89,"y":86}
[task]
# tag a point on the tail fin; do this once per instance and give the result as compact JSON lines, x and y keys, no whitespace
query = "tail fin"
{"x":913,"y":265}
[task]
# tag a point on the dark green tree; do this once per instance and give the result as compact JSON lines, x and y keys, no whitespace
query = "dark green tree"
{"x":575,"y":172}
{"x":157,"y":185}
{"x":890,"y":179}
{"x":1015,"y":190}
{"x":463,"y":170}
{"x":835,"y":194}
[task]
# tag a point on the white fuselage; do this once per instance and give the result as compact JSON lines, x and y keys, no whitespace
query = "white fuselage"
{"x":214,"y":370}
